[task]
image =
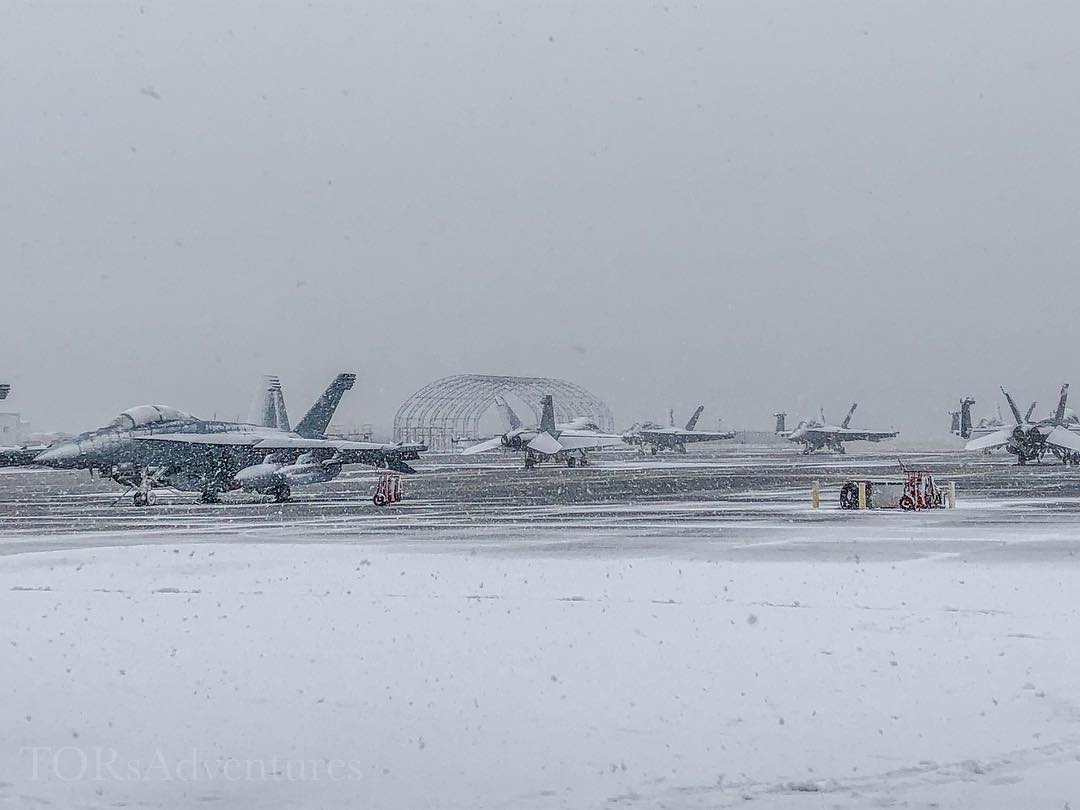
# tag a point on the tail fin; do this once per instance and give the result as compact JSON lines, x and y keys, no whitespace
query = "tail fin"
{"x":954,"y":428}
{"x":277,"y":401}
{"x":965,"y":417}
{"x":547,"y":417}
{"x":507,"y":413}
{"x":1012,"y":406}
{"x":693,"y":419}
{"x":847,"y":419}
{"x":262,"y":404}
{"x":781,"y":422}
{"x":317,"y":419}
{"x":1059,"y":414}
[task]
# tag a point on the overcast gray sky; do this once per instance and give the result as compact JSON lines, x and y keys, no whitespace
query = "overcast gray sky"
{"x":746,"y":204}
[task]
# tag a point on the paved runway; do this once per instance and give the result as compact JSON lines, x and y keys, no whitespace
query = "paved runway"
{"x":715,"y":500}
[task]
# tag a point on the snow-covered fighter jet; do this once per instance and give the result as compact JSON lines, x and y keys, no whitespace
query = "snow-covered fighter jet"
{"x":1030,"y":441}
{"x":817,"y":435}
{"x":650,"y":437}
{"x":152,"y":446}
{"x":564,"y":443}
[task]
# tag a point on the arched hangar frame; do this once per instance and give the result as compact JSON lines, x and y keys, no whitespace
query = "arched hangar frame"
{"x":449,"y":410}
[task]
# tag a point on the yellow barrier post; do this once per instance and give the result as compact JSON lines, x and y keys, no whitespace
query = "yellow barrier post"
{"x":952,"y":494}
{"x":862,"y":494}
{"x":815,"y":495}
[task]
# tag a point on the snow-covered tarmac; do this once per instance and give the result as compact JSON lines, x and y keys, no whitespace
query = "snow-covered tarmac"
{"x":676,"y":633}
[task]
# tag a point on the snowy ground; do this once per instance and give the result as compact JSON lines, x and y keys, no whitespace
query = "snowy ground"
{"x":699,"y":649}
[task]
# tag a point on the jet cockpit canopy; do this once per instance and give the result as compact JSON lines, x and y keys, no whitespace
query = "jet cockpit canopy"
{"x":142,"y":415}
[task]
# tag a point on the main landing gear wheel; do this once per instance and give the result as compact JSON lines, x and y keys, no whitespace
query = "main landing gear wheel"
{"x":379,"y":499}
{"x":282,"y":493}
{"x":907,"y":503}
{"x":209,"y":497}
{"x":144,"y":499}
{"x":849,"y":496}
{"x":571,"y":462}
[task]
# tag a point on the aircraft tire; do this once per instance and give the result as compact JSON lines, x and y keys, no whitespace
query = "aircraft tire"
{"x":907,"y":503}
{"x":849,"y":496}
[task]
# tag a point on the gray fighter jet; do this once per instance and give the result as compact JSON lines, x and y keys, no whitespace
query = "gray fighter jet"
{"x":152,"y":446}
{"x":566,"y":443}
{"x":818,"y":435}
{"x":1030,"y":441}
{"x":652,"y":438}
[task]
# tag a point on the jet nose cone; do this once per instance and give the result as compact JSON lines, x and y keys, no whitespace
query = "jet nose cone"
{"x":63,"y":455}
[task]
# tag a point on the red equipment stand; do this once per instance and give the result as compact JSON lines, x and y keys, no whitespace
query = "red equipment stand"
{"x":388,"y":490}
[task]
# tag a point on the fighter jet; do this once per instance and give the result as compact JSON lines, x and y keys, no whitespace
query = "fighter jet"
{"x":817,"y":435}
{"x":652,"y":438}
{"x":565,"y":443}
{"x":1030,"y":441}
{"x":152,"y":446}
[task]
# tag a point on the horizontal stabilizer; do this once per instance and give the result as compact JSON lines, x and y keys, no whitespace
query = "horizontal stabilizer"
{"x":547,"y":444}
{"x":1065,"y":439}
{"x":995,"y":439}
{"x":483,"y":447}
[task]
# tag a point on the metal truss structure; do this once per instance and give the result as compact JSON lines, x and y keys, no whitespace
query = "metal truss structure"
{"x":448,"y":410}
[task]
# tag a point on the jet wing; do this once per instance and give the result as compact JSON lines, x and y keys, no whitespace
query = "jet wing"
{"x":995,"y":439}
{"x":856,"y":435}
{"x":547,"y":444}
{"x":348,"y":452}
{"x":690,"y":436}
{"x":222,"y":439}
{"x":483,"y":447}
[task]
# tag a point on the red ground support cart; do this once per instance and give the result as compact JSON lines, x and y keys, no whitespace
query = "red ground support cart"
{"x":916,"y":491}
{"x":388,"y":490}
